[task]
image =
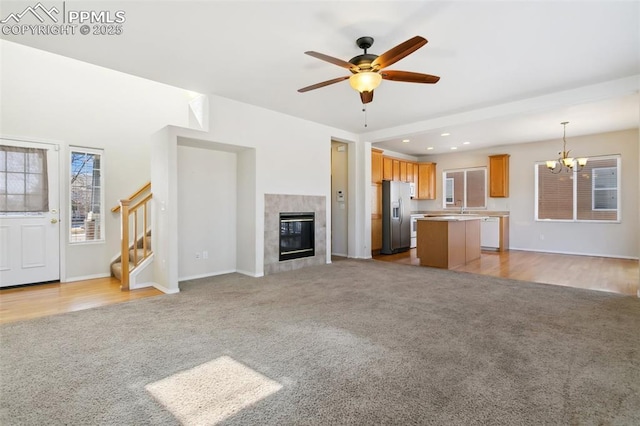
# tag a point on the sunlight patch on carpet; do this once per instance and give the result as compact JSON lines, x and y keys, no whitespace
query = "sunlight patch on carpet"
{"x":211,"y":392}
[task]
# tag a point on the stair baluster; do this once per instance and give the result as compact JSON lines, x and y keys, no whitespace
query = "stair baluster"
{"x":124,"y":224}
{"x":130,"y":257}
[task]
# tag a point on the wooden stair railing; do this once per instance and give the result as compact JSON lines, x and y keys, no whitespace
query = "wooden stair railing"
{"x":143,"y":188}
{"x":130,"y":232}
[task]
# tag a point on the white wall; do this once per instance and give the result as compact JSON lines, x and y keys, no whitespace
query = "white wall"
{"x":280,"y":155}
{"x":51,"y":97}
{"x":246,"y":246}
{"x":602,"y":239}
{"x":206,"y":212}
{"x":339,"y":210}
{"x":292,"y":155}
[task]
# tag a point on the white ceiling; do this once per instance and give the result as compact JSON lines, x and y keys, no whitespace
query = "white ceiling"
{"x":510,"y":71}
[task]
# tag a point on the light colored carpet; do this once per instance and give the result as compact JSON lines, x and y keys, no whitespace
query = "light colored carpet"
{"x":355,"y":342}
{"x":211,"y":392}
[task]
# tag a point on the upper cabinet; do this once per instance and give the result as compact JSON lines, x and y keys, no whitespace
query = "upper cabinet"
{"x":396,"y":170}
{"x":426,"y":181}
{"x":410,"y":172}
{"x":376,"y":166}
{"x":387,"y":168}
{"x":423,"y":175}
{"x":499,"y":175}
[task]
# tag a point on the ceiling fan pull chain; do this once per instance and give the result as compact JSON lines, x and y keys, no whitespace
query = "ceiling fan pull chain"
{"x":364,"y":109}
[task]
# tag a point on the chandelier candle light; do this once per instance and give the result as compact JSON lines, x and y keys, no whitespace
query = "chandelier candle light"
{"x":565,"y":162}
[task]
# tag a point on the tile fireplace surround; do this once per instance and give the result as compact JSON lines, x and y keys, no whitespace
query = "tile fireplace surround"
{"x":274,"y":204}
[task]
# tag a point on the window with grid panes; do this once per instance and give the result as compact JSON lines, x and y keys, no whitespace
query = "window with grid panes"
{"x":592,"y":194}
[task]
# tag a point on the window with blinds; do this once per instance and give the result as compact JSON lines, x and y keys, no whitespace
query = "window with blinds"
{"x":23,"y":180}
{"x":86,"y":196}
{"x":465,"y":188}
{"x":592,"y":194}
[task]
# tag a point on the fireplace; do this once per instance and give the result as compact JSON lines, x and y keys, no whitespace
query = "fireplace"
{"x":297,"y":235}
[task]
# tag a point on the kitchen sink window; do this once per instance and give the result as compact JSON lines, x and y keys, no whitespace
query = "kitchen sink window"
{"x":465,"y":188}
{"x":590,"y":195}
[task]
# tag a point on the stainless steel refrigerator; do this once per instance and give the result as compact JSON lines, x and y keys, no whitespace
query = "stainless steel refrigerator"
{"x":396,"y":217}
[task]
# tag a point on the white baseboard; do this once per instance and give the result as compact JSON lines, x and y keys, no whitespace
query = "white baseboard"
{"x":340,"y":254}
{"x":614,"y":256}
{"x":85,"y":277}
{"x":136,"y":286}
{"x":166,"y":290}
{"x":250,"y":274}
{"x":209,"y":274}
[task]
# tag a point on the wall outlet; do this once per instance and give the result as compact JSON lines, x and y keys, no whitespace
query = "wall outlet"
{"x":205,"y":254}
{"x":197,"y":255}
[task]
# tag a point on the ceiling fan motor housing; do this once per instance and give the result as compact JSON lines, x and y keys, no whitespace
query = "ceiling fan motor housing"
{"x":363,"y":61}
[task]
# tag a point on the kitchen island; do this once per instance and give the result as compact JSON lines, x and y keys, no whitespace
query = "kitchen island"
{"x":448,"y":241}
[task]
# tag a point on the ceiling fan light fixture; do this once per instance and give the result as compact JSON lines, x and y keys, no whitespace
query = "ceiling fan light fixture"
{"x":365,"y":81}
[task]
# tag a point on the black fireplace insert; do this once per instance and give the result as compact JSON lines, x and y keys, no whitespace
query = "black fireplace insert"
{"x":297,"y":235}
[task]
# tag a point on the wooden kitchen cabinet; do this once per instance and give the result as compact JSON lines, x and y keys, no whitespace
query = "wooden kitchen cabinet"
{"x":376,"y":217}
{"x":376,"y":165}
{"x":499,"y":175}
{"x":410,"y":172}
{"x":396,"y":170}
{"x":448,"y":243}
{"x":403,"y":171}
{"x":387,"y":168}
{"x":504,"y":233}
{"x":378,"y":170}
{"x":426,"y":181}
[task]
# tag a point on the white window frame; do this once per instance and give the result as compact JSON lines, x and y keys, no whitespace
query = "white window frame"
{"x":618,"y":159}
{"x":101,"y":221}
{"x":594,"y":189}
{"x":448,"y":181}
{"x":447,"y":205}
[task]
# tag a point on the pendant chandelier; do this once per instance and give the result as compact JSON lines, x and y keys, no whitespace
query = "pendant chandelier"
{"x":565,"y":162}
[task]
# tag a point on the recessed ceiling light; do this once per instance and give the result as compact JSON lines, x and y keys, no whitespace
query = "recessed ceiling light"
{"x":466,"y":143}
{"x":429,"y":148}
{"x":454,"y":147}
{"x":405,"y":140}
{"x":445,"y":134}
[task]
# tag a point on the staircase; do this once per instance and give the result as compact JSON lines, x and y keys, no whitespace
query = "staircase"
{"x":135,"y":251}
{"x":136,"y":257}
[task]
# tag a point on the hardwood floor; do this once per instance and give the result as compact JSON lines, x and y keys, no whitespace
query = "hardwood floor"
{"x":589,"y":272}
{"x":41,"y":300}
{"x":595,"y":273}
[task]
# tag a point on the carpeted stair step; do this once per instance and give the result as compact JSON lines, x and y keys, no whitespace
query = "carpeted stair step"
{"x":116,"y":269}
{"x":148,"y":240}
{"x":140,"y":254}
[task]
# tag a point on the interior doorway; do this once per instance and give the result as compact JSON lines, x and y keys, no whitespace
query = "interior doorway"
{"x":339,"y":197}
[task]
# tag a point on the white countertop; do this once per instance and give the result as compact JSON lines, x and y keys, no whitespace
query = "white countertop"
{"x":455,"y":212}
{"x":454,"y":217}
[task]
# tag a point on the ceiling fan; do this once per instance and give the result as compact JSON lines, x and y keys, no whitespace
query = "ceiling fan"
{"x":367,"y":69}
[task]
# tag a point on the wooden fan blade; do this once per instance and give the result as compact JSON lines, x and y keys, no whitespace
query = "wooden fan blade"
{"x":400,"y":51}
{"x":324,"y":83}
{"x":410,"y":77}
{"x":335,"y":61}
{"x":366,"y":97}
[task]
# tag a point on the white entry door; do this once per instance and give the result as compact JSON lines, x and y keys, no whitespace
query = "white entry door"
{"x":29,"y":213}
